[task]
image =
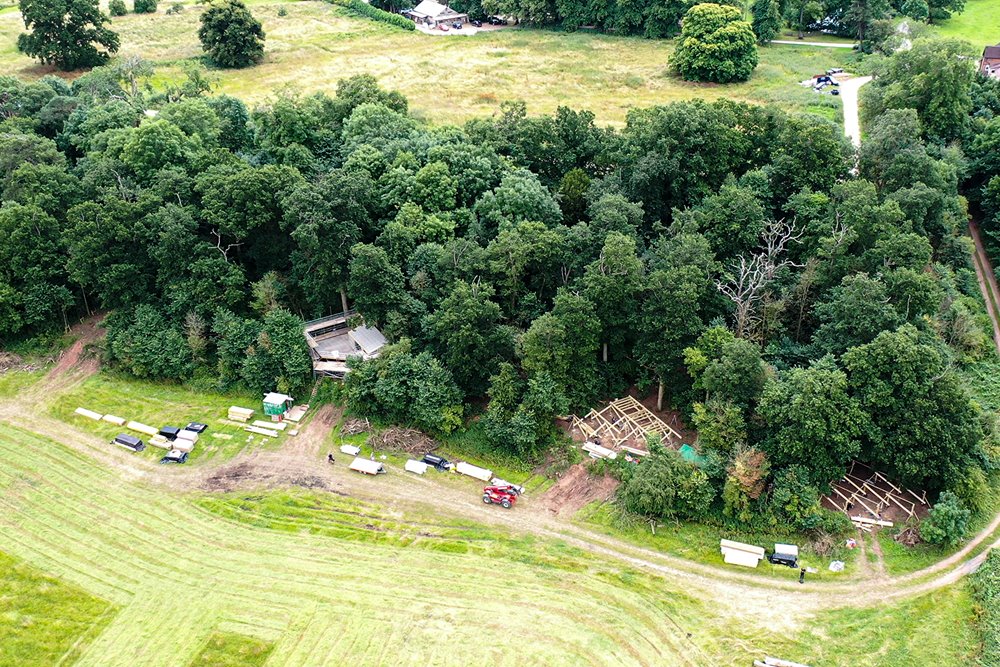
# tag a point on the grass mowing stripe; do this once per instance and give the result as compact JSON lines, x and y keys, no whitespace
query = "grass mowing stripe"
{"x":44,"y":621}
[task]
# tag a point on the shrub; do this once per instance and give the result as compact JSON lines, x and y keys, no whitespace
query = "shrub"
{"x":117,"y":8}
{"x":666,"y":486}
{"x":947,"y":522}
{"x":175,"y":8}
{"x":144,"y":6}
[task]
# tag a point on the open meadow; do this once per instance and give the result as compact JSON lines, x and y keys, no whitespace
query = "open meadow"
{"x":979,"y":24}
{"x":449,"y":79}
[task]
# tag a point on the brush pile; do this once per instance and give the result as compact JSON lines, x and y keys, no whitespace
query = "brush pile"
{"x":406,"y":440}
{"x":355,"y":427}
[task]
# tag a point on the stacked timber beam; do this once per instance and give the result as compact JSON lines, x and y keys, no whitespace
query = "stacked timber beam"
{"x":623,"y":420}
{"x":865,"y":498}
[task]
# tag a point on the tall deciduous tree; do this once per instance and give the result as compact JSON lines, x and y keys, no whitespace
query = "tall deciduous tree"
{"x":766,"y":20}
{"x":466,"y":335}
{"x":934,"y":77}
{"x":926,"y":429}
{"x":813,"y":421}
{"x":230,"y":34}
{"x":70,"y":34}
{"x":716,"y":44}
{"x":613,"y":284}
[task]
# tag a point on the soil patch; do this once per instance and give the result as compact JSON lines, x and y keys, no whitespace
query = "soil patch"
{"x":576,"y":489}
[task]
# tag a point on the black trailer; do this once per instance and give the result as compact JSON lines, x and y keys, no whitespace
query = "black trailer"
{"x":129,"y":442}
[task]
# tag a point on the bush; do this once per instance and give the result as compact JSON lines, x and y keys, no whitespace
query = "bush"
{"x":665,"y":486}
{"x":117,"y":8}
{"x":947,"y":522}
{"x":363,"y":9}
{"x":175,"y":8}
{"x":986,"y":590}
{"x":144,"y":6}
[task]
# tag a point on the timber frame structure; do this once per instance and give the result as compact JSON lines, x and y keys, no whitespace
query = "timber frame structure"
{"x":623,"y":421}
{"x":867,"y":496}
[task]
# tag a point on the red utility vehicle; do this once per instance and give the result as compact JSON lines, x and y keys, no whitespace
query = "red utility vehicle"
{"x":505,"y":496}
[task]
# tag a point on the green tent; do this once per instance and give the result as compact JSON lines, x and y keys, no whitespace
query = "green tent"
{"x":691,"y":455}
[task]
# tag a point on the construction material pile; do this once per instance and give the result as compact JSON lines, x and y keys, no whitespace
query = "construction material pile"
{"x":355,"y":427}
{"x":871,"y":500}
{"x":624,"y":425}
{"x":406,"y":440}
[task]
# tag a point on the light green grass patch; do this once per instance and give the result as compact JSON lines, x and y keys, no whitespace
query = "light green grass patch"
{"x":44,"y":621}
{"x":700,"y":542}
{"x":978,"y":24}
{"x":157,"y":404}
{"x":934,"y":629}
{"x":229,"y":649}
{"x":13,"y":381}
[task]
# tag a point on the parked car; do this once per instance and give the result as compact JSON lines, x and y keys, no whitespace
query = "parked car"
{"x":477,"y":23}
{"x":457,"y":25}
{"x":443,"y":27}
{"x":496,"y":20}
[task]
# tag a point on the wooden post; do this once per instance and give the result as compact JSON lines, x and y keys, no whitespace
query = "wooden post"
{"x":659,"y":397}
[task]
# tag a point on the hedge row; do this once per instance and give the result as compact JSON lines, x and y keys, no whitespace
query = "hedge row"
{"x":360,"y":8}
{"x":986,"y":589}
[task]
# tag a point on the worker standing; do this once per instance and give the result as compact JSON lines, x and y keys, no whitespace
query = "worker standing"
{"x":329,"y":458}
{"x":802,"y":576}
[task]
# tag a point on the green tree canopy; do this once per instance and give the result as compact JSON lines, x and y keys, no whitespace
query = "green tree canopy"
{"x":230,"y":35}
{"x":70,"y":34}
{"x":715,"y":45}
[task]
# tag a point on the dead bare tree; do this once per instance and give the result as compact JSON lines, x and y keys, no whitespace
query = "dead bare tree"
{"x":218,"y":245}
{"x":749,"y":277}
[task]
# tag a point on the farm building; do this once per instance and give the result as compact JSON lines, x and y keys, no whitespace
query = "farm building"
{"x":332,"y":340}
{"x":989,"y":65}
{"x":433,"y":13}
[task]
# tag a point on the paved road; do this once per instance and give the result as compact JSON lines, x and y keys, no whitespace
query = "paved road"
{"x":799,"y":42}
{"x":849,"y":94}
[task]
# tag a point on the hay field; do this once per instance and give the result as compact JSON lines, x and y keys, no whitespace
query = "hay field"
{"x":449,"y":79}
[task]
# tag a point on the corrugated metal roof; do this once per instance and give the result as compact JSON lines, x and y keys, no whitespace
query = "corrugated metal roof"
{"x":369,"y":339}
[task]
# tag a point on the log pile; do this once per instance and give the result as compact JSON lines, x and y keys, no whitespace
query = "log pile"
{"x":625,"y":423}
{"x":406,"y":440}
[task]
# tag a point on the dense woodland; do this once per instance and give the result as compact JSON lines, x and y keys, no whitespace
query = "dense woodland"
{"x":798,"y":314}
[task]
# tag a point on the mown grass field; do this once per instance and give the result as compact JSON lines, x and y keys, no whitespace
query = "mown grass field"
{"x":160,"y":405}
{"x":450,"y":78}
{"x":194,"y":578}
{"x":979,"y":24}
